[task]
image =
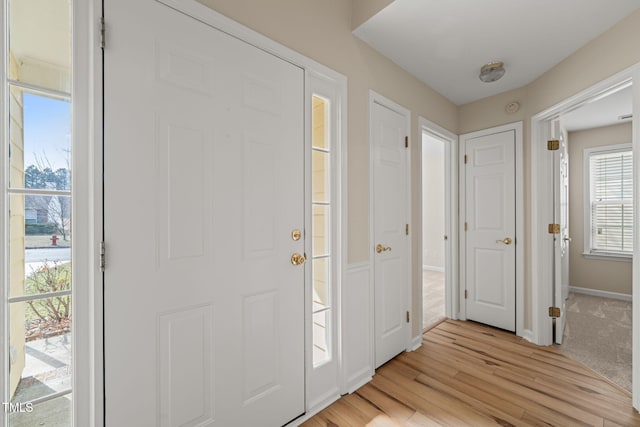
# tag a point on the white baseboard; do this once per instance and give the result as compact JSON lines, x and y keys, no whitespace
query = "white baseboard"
{"x":416,"y":343}
{"x":432,"y":268}
{"x":599,"y":293}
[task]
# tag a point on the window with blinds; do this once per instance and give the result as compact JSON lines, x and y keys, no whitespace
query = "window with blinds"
{"x":610,"y":204}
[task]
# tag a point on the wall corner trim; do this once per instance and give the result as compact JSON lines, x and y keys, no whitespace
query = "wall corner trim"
{"x":416,"y":343}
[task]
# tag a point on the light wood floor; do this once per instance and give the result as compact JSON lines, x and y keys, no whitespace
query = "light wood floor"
{"x":432,"y":298}
{"x":466,"y":374}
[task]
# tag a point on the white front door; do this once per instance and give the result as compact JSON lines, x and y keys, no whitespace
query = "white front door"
{"x":490,"y":261}
{"x":204,"y":183}
{"x":390,"y":240}
{"x":561,"y":240}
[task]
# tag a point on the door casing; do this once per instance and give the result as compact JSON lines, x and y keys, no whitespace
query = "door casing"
{"x":519,"y":213}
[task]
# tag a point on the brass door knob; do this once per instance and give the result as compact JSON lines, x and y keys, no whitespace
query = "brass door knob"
{"x":380,"y":248}
{"x":297,"y":259}
{"x":506,"y":241}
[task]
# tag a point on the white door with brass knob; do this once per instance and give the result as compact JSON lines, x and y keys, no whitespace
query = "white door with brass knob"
{"x":204,"y":165}
{"x":390,"y":240}
{"x":489,"y":204}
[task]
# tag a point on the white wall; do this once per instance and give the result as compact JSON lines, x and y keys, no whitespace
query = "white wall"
{"x":433,"y":203}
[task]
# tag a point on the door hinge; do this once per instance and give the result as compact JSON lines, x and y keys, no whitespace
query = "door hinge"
{"x":408,"y":317}
{"x":103,"y":31}
{"x":406,"y":142}
{"x":406,"y":229}
{"x":466,"y":294}
{"x":102,"y":256}
{"x":554,"y":228}
{"x":554,"y":311}
{"x":553,"y":145}
{"x":465,"y":159}
{"x":466,"y":226}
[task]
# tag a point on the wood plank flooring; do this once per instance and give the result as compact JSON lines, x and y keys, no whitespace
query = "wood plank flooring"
{"x":466,"y":374}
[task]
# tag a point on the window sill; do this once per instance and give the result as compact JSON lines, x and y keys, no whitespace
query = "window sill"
{"x":609,"y":256}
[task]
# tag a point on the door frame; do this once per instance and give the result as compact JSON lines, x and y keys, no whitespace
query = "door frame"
{"x":519,"y":237}
{"x":450,"y":141}
{"x":335,"y":89}
{"x":541,"y":186}
{"x":376,"y":98}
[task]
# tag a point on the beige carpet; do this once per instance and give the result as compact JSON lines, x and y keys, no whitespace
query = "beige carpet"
{"x":432,"y":298}
{"x":598,"y":334}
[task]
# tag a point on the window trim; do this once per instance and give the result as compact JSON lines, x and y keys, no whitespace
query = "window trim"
{"x":588,"y":251}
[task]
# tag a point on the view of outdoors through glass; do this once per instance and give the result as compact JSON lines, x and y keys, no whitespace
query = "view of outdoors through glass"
{"x":39,"y":284}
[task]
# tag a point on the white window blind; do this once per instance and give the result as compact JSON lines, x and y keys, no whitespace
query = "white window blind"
{"x":611,"y":201}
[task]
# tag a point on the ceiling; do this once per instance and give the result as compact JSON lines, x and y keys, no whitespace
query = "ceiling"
{"x":601,"y":112}
{"x":444,"y":43}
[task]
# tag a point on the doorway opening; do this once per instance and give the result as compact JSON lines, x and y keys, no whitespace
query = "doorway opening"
{"x":438,"y":248}
{"x":596,"y":275}
{"x":434,"y":234}
{"x":543,"y":262}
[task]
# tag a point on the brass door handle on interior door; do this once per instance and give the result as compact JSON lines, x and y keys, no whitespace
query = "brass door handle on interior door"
{"x":506,"y":241}
{"x":380,"y":248}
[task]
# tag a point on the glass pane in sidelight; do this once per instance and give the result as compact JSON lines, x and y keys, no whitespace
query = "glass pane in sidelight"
{"x":321,"y":290}
{"x":40,"y":141}
{"x":40,"y":348}
{"x":40,"y":43}
{"x":320,"y":177}
{"x":40,"y":244}
{"x":52,"y":413}
{"x":321,"y":337}
{"x":320,"y":230}
{"x":319,"y":123}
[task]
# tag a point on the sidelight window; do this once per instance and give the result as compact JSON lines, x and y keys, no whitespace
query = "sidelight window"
{"x":321,"y":159}
{"x":36,"y":286}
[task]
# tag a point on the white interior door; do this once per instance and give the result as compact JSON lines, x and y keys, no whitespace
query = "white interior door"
{"x":204,"y":310}
{"x":490,"y":261}
{"x":561,"y":240}
{"x":390,"y":240}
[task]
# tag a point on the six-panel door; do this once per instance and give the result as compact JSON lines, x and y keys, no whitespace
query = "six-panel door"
{"x":204,"y":181}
